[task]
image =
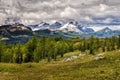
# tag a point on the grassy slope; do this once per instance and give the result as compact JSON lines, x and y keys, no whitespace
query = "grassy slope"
{"x":83,"y":68}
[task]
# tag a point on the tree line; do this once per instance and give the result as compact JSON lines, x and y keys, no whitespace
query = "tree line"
{"x":37,"y":49}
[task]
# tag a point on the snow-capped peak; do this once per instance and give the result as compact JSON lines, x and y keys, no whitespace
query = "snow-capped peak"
{"x":43,"y":24}
{"x":70,"y":27}
{"x":84,"y":28}
{"x":56,"y":25}
{"x":40,"y":26}
{"x":106,"y":29}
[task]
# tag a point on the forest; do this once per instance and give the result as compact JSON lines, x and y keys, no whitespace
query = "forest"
{"x":37,"y":49}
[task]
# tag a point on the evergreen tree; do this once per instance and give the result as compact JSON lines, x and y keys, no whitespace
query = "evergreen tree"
{"x":43,"y":46}
{"x":2,"y":49}
{"x":37,"y":53}
{"x":31,"y":46}
{"x":118,"y":42}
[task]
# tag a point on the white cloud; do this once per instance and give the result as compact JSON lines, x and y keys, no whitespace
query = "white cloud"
{"x":108,"y":20}
{"x":103,"y":7}
{"x":89,"y":19}
{"x":46,"y":10}
{"x":30,"y":15}
{"x":100,"y":27}
{"x":69,"y":13}
{"x":28,"y":21}
{"x":2,"y":18}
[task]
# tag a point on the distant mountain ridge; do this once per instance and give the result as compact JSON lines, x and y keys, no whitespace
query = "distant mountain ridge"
{"x":71,"y":26}
{"x":107,"y":32}
{"x":74,"y":28}
{"x":68,"y":29}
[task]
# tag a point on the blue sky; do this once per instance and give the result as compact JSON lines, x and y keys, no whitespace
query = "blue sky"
{"x":35,"y":11}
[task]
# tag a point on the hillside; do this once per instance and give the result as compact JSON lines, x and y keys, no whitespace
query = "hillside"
{"x":15,"y":33}
{"x":103,"y":66}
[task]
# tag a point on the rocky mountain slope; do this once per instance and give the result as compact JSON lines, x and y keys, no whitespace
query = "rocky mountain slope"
{"x":15,"y":31}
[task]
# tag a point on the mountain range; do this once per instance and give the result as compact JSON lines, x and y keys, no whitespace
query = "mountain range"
{"x":72,"y":29}
{"x":18,"y":32}
{"x":72,"y":26}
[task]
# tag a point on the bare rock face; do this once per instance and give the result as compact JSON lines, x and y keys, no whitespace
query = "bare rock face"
{"x":98,"y":58}
{"x":72,"y":58}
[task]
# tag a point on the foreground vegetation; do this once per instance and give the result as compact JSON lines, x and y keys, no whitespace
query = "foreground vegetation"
{"x":36,"y":49}
{"x":83,"y":68}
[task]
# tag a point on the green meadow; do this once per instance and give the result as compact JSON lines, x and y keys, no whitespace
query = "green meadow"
{"x":84,"y":67}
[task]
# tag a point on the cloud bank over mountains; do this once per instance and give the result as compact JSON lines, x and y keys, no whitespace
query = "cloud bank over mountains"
{"x":86,"y":11}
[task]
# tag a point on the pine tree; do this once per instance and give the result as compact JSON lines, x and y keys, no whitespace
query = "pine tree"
{"x":2,"y":49}
{"x":31,"y":46}
{"x":37,"y":53}
{"x":119,"y":41}
{"x":43,"y":46}
{"x":18,"y":54}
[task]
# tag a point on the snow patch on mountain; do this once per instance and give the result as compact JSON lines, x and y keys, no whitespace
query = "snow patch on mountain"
{"x":96,"y":27}
{"x":106,"y":29}
{"x":41,"y":26}
{"x":70,"y":27}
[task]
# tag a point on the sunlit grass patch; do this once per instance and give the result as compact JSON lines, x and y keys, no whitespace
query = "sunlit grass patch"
{"x":82,"y":68}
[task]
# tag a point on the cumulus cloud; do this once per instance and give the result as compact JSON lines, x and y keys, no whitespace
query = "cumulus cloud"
{"x":69,"y":13}
{"x":89,"y":19}
{"x":103,"y":7}
{"x":108,"y":20}
{"x":34,"y":11}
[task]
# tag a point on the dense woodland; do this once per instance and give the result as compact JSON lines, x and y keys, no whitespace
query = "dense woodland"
{"x":37,"y":49}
